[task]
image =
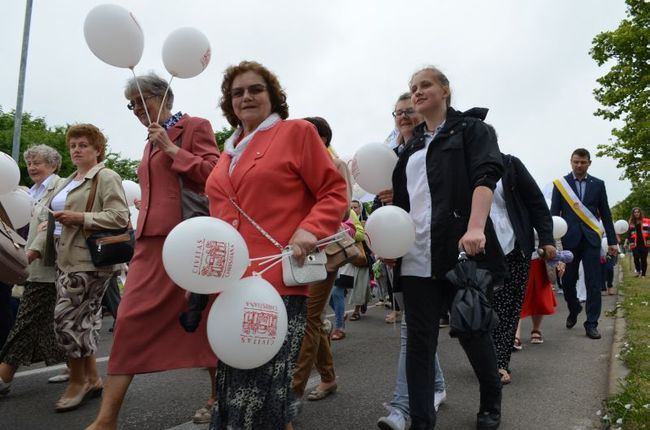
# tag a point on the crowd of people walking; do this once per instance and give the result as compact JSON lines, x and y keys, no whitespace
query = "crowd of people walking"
{"x":279,"y":181}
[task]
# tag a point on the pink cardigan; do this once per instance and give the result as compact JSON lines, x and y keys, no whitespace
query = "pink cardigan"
{"x":160,"y":209}
{"x":285,"y":179}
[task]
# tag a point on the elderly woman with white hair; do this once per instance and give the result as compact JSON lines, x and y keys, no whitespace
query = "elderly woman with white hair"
{"x":32,"y":338}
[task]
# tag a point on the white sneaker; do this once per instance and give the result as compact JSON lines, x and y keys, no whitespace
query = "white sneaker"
{"x":4,"y":387}
{"x":394,"y":421}
{"x":439,"y":398}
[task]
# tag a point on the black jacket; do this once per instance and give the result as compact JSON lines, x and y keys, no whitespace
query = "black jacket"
{"x":527,"y":208}
{"x":463,"y":155}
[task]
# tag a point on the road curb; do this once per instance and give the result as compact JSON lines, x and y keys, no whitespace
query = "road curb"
{"x":617,"y":370}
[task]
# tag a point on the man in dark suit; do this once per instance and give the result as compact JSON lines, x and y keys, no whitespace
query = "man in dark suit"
{"x":587,"y":204}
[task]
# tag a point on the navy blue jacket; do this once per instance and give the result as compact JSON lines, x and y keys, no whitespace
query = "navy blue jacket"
{"x":595,"y":199}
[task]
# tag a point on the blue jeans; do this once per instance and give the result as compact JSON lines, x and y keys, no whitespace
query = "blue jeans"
{"x":401,"y":395}
{"x":337,"y":302}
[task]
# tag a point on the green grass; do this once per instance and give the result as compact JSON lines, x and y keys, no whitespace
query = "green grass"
{"x":632,"y":405}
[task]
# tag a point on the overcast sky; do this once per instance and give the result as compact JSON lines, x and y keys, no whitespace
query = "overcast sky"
{"x":526,"y":60}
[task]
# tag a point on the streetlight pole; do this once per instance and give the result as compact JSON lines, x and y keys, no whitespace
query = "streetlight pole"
{"x":18,"y":118}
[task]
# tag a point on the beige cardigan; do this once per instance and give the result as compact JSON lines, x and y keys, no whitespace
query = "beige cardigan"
{"x":39,"y":272}
{"x":109,"y":212}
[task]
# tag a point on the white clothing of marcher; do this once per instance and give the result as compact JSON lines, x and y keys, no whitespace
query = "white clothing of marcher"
{"x":58,"y":203}
{"x":417,"y":262}
{"x":501,"y":220}
{"x":581,"y":289}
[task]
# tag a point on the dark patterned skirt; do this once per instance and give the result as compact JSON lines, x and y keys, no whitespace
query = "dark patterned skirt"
{"x":260,"y":399}
{"x":32,"y":338}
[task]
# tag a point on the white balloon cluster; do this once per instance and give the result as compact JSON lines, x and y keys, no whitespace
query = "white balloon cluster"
{"x":114,"y":35}
{"x":16,"y":202}
{"x":247,"y":323}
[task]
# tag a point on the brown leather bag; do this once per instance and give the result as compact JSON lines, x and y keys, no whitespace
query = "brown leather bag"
{"x":342,"y":252}
{"x":12,"y":252}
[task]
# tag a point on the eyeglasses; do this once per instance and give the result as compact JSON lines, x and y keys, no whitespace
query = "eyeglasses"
{"x":137,"y":102}
{"x":253,"y":90}
{"x":406,"y":112}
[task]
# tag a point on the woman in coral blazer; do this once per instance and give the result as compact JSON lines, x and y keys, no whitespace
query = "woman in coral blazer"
{"x":280,"y":174}
{"x":148,"y":336}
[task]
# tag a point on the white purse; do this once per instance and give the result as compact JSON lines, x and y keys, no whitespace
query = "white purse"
{"x":313,"y":270}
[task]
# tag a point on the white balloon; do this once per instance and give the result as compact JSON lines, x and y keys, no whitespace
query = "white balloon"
{"x":114,"y":35}
{"x":205,"y":255}
{"x":560,"y":227}
{"x":372,"y":167}
{"x":247,"y":324}
{"x":134,"y":216}
{"x":18,"y":205}
{"x":9,"y":174}
{"x":186,"y":52}
{"x":132,"y":191}
{"x":621,"y":226}
{"x":390,"y":232}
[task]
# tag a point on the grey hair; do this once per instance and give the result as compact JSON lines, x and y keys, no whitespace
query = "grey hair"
{"x":47,"y":153}
{"x":441,"y":77}
{"x":404,"y":96}
{"x":152,"y":85}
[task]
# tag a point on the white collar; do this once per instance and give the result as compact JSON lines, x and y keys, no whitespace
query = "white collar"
{"x":236,"y":152}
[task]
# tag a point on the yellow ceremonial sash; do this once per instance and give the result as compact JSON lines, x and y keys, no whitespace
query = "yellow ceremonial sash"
{"x":574,"y":202}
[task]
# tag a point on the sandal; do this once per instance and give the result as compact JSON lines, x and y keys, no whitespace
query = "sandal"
{"x":536,"y":337}
{"x":203,"y":415}
{"x":338,"y":334}
{"x":318,"y":394}
{"x":356,"y":316}
{"x":95,"y":390}
{"x":517,"y":345}
{"x":505,"y":376}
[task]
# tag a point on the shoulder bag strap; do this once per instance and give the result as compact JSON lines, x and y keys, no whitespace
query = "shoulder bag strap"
{"x":91,"y":196}
{"x":4,"y":217}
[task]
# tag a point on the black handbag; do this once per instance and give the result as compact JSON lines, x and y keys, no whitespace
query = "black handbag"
{"x":108,"y":247}
{"x":471,"y":312}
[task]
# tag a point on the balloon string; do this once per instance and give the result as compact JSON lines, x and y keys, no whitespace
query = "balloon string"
{"x":279,"y":260}
{"x":164,"y":97}
{"x":137,"y":84}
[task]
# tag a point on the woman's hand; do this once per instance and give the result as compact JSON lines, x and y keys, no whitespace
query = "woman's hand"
{"x":32,"y":255}
{"x":158,"y":136}
{"x":386,"y":197}
{"x":549,"y":252}
{"x":137,"y":203}
{"x":69,"y":217}
{"x":473,"y":242}
{"x":303,"y":243}
{"x":561,"y":268}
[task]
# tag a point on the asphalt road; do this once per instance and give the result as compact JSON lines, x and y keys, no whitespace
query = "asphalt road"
{"x":557,"y":385}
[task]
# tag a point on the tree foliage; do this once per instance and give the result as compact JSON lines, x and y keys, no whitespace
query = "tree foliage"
{"x":638,"y":198}
{"x":624,"y":91}
{"x":222,"y":136}
{"x":36,"y":131}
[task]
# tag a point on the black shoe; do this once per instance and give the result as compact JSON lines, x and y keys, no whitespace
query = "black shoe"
{"x":592,"y":332}
{"x":488,"y":420}
{"x":571,"y":320}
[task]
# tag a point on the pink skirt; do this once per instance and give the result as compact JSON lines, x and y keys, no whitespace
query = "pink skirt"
{"x":148,"y":336}
{"x":540,"y":298}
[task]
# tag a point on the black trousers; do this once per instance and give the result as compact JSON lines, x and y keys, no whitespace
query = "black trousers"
{"x":640,"y":254}
{"x":590,"y":257}
{"x":425,"y":301}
